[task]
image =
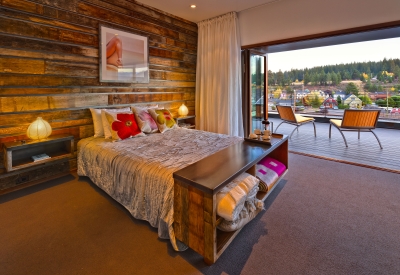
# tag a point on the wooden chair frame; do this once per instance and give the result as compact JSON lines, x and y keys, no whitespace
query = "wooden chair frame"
{"x":288,"y":116}
{"x":357,"y":120}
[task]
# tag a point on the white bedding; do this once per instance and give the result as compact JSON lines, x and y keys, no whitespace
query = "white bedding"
{"x":137,"y":172}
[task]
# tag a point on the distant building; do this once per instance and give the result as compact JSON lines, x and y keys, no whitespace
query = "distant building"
{"x":301,"y":94}
{"x":330,"y":102}
{"x":378,"y":95}
{"x":328,"y":93}
{"x":341,"y":94}
{"x":374,"y":79}
{"x":353,"y":101}
{"x":283,"y":94}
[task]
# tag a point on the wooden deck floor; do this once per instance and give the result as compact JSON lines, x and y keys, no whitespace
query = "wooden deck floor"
{"x":364,"y":151}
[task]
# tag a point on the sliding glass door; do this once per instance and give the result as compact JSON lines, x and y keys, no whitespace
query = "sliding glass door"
{"x":257,"y":90}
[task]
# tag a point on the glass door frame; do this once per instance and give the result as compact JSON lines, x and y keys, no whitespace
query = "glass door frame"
{"x":246,"y":89}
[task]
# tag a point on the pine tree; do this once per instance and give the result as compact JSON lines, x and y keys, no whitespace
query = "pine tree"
{"x":351,"y":88}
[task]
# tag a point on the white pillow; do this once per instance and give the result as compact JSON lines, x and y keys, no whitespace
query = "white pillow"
{"x":106,"y":126}
{"x":97,"y":123}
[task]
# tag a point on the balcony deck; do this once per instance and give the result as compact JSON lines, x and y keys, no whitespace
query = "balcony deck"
{"x":362,"y":152}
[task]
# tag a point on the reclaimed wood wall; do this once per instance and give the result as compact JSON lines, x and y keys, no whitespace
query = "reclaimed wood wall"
{"x":49,"y":67}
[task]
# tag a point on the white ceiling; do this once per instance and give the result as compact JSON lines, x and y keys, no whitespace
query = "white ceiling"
{"x":205,"y":8}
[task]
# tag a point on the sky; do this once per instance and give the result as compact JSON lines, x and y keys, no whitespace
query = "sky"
{"x":375,"y":50}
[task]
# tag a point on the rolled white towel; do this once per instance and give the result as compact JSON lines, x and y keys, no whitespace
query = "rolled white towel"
{"x":249,"y":211}
{"x":231,"y":199}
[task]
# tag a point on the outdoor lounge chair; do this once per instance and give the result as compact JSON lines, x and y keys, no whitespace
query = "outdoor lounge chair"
{"x":356,"y":120}
{"x":288,"y":116}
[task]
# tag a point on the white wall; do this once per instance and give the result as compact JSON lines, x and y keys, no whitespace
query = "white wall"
{"x":294,"y":18}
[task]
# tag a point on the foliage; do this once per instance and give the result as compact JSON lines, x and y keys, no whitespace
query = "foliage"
{"x":391,"y":102}
{"x":396,"y":99}
{"x":315,"y":101}
{"x":355,"y":75}
{"x":386,"y":70}
{"x":307,"y":78}
{"x":364,"y":77}
{"x":339,"y":99}
{"x":351,"y":88}
{"x":343,"y":106}
{"x":368,"y":86}
{"x":381,"y":102}
{"x":365,"y":99}
{"x":279,"y":78}
{"x":334,"y":79}
{"x":277,"y":93}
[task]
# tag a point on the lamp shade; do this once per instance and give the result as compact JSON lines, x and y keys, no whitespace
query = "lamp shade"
{"x":39,"y":129}
{"x":183,"y":110}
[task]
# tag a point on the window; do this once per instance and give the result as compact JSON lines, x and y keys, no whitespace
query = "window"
{"x":359,"y":76}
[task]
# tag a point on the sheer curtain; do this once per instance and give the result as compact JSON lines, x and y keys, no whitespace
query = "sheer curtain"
{"x":218,"y":76}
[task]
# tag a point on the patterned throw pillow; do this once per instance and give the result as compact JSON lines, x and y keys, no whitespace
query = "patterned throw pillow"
{"x":144,"y":119}
{"x":123,"y":125}
{"x":163,"y":119}
{"x":106,"y":126}
{"x":98,"y":122}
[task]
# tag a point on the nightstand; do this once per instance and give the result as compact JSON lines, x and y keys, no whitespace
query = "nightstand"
{"x":186,"y":121}
{"x":18,"y":155}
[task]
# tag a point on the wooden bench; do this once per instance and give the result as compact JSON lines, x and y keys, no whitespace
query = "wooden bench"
{"x":196,"y":186}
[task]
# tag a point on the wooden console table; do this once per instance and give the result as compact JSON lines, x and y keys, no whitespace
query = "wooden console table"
{"x":196,"y":186}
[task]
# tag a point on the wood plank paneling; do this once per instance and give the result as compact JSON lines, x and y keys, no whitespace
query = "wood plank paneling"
{"x":48,"y":56}
{"x":29,"y":43}
{"x":40,"y":103}
{"x":49,"y":67}
{"x":87,"y":89}
{"x":128,"y":8}
{"x":22,"y":66}
{"x":42,"y":20}
{"x":23,"y":28}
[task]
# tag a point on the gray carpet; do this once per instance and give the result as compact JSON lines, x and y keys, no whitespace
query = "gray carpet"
{"x":324,"y":218}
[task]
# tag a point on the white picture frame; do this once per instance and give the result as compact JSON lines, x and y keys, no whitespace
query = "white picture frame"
{"x":124,"y":56}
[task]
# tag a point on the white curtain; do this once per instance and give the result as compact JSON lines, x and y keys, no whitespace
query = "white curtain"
{"x":218,"y":76}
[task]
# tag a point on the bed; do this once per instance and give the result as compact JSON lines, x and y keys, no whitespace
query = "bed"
{"x":137,"y":172}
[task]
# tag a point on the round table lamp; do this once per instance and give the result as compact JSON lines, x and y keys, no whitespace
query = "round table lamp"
{"x":183,"y":110}
{"x":39,"y":129}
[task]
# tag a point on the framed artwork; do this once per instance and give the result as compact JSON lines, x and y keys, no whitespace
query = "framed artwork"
{"x":124,"y":57}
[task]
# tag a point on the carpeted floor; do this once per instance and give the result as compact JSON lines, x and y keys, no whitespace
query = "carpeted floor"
{"x":324,"y":218}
